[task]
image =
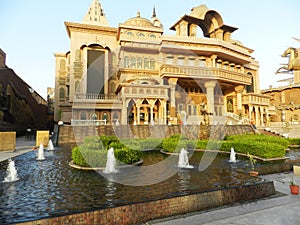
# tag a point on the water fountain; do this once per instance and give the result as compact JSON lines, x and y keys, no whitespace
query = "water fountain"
{"x":53,"y":188}
{"x":50,"y":146}
{"x":232,"y":156}
{"x":11,"y":172}
{"x":111,"y":162}
{"x":40,"y":155}
{"x":183,"y":161}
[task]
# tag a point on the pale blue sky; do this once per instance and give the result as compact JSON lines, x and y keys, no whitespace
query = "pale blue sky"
{"x":32,"y":31}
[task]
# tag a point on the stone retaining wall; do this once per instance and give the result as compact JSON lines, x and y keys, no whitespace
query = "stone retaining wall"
{"x":76,"y":134}
{"x":143,"y":212}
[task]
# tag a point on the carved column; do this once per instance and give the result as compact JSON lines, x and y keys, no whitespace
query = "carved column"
{"x":124,"y":112}
{"x":173,"y":83}
{"x":239,"y":90}
{"x":213,"y":60}
{"x":256,"y":115}
{"x":261,"y":116}
{"x":210,"y":86}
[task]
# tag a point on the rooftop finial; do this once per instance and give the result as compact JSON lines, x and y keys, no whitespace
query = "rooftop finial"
{"x":154,"y":13}
{"x":138,"y":14}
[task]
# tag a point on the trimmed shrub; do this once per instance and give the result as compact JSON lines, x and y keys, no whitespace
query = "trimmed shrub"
{"x":264,"y":146}
{"x":151,"y":143}
{"x":175,"y":143}
{"x":294,"y":141}
{"x":89,"y":157}
{"x":93,"y":152}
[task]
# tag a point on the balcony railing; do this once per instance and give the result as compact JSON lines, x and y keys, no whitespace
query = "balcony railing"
{"x":95,"y":96}
{"x":88,"y":122}
{"x":256,"y":99}
{"x":205,"y":73}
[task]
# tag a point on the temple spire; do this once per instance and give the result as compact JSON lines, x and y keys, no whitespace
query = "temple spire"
{"x":95,"y":15}
{"x":154,"y":13}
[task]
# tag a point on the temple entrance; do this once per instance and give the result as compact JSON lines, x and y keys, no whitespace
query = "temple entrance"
{"x":146,"y":111}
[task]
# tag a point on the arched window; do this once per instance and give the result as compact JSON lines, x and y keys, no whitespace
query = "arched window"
{"x":141,"y":35}
{"x":61,"y":93}
{"x":250,"y":88}
{"x":83,"y":116}
{"x":129,"y":34}
{"x":152,"y":36}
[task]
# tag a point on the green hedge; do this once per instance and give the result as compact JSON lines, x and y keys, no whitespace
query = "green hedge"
{"x":176,"y":142}
{"x":261,"y":145}
{"x":93,"y":152}
{"x":294,"y":141}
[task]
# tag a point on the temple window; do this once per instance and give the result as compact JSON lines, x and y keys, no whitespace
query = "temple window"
{"x":139,"y":62}
{"x":61,"y":93}
{"x":146,"y":63}
{"x":152,"y":64}
{"x":133,"y":62}
{"x":126,"y":62}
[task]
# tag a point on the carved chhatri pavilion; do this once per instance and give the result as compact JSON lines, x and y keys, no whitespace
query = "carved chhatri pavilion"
{"x":136,"y":74}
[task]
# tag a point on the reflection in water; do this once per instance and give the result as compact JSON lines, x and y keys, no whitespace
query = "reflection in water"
{"x":111,"y":189}
{"x":184,"y":177}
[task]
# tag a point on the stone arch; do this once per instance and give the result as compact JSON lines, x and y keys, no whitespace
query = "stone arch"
{"x":250,"y":88}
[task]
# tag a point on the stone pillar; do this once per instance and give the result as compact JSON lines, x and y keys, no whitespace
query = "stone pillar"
{"x":138,"y":115}
{"x":210,"y":86}
{"x":124,"y":112}
{"x":106,"y":72}
{"x":151,"y":114}
{"x":261,"y":116}
{"x":184,"y":28}
{"x":250,"y":112}
{"x":256,"y":115}
{"x":239,"y":90}
{"x":213,"y":60}
{"x":173,"y":82}
{"x":227,"y":36}
{"x":219,"y":34}
{"x":164,"y":112}
{"x":296,"y":76}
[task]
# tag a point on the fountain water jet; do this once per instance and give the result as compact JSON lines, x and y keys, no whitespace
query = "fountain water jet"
{"x":183,"y":161}
{"x":50,"y":145}
{"x":111,"y":162}
{"x":12,"y":174}
{"x":232,"y":156}
{"x":40,"y":155}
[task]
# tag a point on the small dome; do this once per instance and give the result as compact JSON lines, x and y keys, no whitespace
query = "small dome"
{"x":139,"y":21}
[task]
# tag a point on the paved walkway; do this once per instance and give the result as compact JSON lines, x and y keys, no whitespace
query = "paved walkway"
{"x":22,"y":146}
{"x":282,"y":209}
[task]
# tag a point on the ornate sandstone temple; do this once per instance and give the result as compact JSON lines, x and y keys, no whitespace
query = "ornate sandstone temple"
{"x":135,"y":74}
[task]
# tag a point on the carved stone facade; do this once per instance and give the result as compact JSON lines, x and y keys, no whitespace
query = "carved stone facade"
{"x":285,"y":102}
{"x":136,"y":74}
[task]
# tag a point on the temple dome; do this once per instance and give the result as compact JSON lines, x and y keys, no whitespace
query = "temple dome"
{"x":138,"y":21}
